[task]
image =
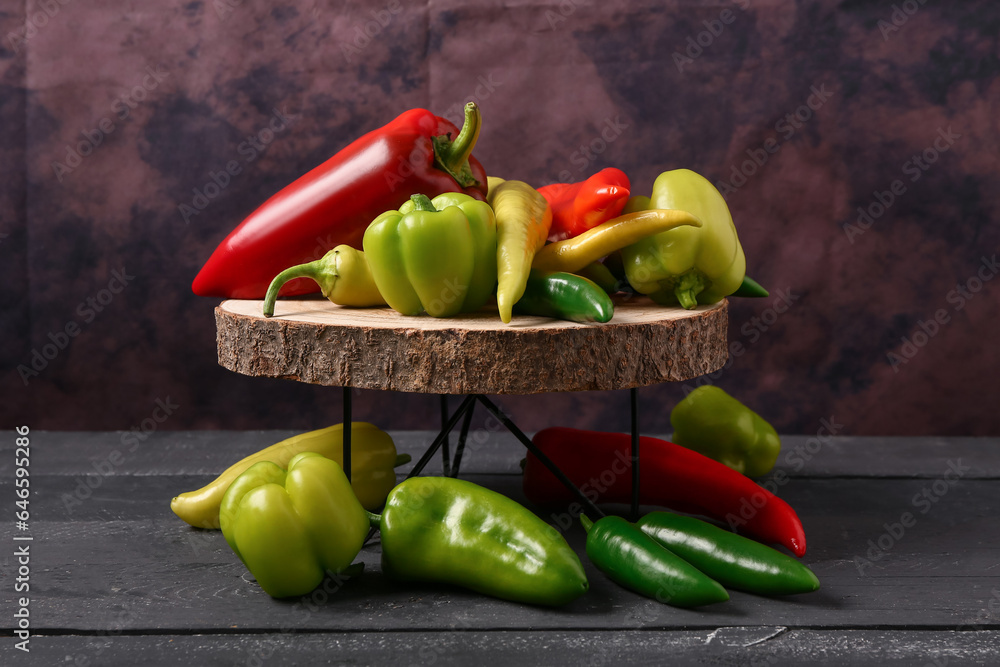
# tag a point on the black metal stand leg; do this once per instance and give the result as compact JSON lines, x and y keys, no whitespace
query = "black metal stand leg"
{"x":439,"y":440}
{"x":464,"y":409}
{"x":347,"y":432}
{"x":446,"y":445}
{"x":634,"y":398}
{"x":462,"y":437}
{"x":545,"y":460}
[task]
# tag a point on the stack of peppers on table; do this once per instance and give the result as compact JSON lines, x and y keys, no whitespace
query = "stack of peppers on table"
{"x":415,"y":224}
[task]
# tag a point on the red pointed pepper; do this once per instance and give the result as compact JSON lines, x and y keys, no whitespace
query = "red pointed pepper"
{"x":417,"y":153}
{"x":577,"y":207}
{"x":670,"y":476}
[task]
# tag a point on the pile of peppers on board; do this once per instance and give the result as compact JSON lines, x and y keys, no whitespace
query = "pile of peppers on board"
{"x":406,"y":215}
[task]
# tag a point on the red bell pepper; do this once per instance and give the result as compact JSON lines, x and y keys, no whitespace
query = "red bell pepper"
{"x":417,"y":153}
{"x":577,"y":207}
{"x":669,"y":475}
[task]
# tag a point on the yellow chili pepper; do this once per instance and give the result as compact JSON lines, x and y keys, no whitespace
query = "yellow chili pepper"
{"x":573,"y":254}
{"x":492,"y":183}
{"x":342,"y":274}
{"x":523,"y":220}
{"x":373,"y":457}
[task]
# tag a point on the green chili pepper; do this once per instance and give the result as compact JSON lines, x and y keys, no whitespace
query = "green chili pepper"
{"x":290,"y":527}
{"x":635,"y":561}
{"x":751,"y":288}
{"x":564,"y":296}
{"x":601,"y":275}
{"x":448,"y":530}
{"x":733,"y":560}
{"x":687,"y":265}
{"x":435,"y":255}
{"x":711,"y":422}
{"x":613,"y":263}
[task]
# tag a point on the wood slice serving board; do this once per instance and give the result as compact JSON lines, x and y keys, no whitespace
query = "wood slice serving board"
{"x":312,"y":340}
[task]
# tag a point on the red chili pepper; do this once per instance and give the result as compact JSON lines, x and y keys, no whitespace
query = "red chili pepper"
{"x":670,"y":475}
{"x":417,"y":153}
{"x":577,"y":207}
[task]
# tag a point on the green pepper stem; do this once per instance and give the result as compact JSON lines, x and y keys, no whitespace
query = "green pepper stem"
{"x":586,"y":523}
{"x":422,"y":203}
{"x":402,"y":459}
{"x":307,"y":270}
{"x":461,"y":148}
{"x":687,"y":290}
{"x":453,"y":155}
{"x":374,"y":520}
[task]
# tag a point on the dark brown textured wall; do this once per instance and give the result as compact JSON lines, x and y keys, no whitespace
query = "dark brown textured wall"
{"x":801,"y":112}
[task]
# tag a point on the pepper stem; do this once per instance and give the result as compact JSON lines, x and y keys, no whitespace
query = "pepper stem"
{"x":422,"y":203}
{"x":586,"y":523}
{"x":452,"y":156}
{"x":687,"y":290}
{"x":374,"y":520}
{"x":402,"y":459}
{"x":308,"y":270}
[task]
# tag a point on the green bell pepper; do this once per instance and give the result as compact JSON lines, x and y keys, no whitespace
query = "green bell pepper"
{"x":291,"y":527}
{"x":713,"y":423}
{"x":437,"y":256}
{"x":451,"y":531}
{"x":687,"y":265}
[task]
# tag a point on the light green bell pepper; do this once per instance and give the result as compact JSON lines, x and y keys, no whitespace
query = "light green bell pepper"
{"x":435,"y":255}
{"x":686,"y":265}
{"x":713,"y":423}
{"x":292,"y":527}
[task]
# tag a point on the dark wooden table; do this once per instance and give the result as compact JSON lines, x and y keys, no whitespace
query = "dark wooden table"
{"x":116,"y":579}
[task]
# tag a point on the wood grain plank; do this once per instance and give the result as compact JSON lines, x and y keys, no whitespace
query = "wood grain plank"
{"x":122,"y":552}
{"x":742,"y":646}
{"x":490,"y":450}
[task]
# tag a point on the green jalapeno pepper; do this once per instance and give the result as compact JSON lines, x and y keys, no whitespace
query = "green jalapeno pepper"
{"x":733,"y":560}
{"x":751,"y":288}
{"x":564,"y":296}
{"x":448,"y":530}
{"x":635,"y":561}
